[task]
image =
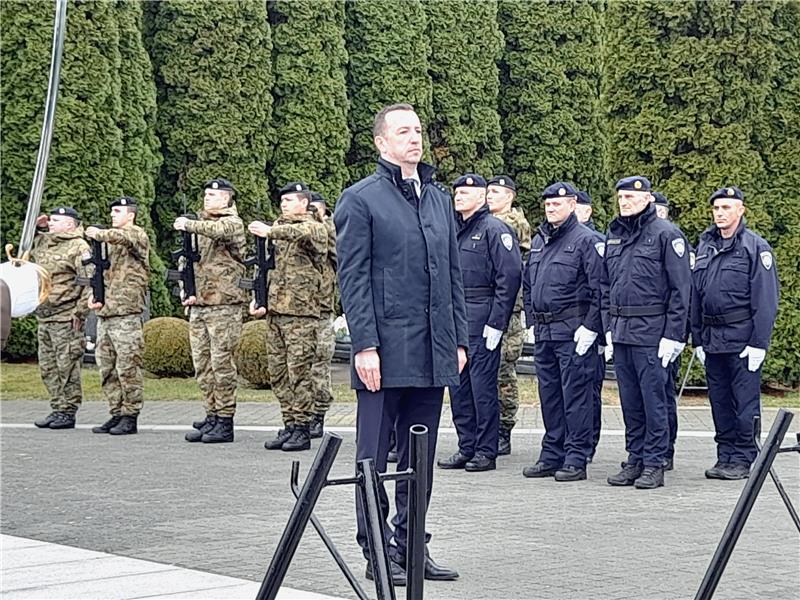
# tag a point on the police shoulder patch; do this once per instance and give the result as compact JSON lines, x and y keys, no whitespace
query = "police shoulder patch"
{"x":601,"y":248}
{"x":679,"y":246}
{"x":507,"y":240}
{"x":766,"y":259}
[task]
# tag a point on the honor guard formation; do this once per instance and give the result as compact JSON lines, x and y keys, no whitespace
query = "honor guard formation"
{"x":440,"y":286}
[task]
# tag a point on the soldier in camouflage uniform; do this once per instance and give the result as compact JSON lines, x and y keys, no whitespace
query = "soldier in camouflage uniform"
{"x":59,"y":248}
{"x":215,"y":314}
{"x":326,"y":337}
{"x":120,"y":344}
{"x":500,"y":195}
{"x":293,"y":311}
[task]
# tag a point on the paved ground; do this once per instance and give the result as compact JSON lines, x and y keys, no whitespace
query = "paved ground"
{"x":221,"y":509}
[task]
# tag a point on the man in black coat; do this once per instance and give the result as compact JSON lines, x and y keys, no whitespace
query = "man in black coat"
{"x":403,"y":295}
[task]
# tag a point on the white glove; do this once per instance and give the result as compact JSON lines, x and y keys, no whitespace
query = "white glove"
{"x":609,"y":351}
{"x":666,"y":349}
{"x":755,"y":356}
{"x":583,"y":338}
{"x":678,"y":349}
{"x":531,"y":334}
{"x":701,"y":355}
{"x":492,"y":336}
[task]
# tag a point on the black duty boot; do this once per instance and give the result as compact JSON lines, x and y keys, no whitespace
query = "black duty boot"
{"x":280,"y":439}
{"x":300,"y":440}
{"x":627,"y":476}
{"x":479,"y":462}
{"x":196,"y":435}
{"x":715,"y":472}
{"x":457,"y":461}
{"x":539,"y":470}
{"x":63,"y":421}
{"x":45,"y":422}
{"x":315,"y":427}
{"x":504,"y":442}
{"x":201,"y":424}
{"x":650,"y":479}
{"x":220,"y":432}
{"x":570,"y":473}
{"x":108,"y":425}
{"x":730,"y":472}
{"x":126,"y":426}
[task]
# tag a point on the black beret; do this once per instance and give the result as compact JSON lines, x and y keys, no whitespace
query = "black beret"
{"x":124,"y":201}
{"x":317,"y":197}
{"x":66,"y":211}
{"x":584,"y":198}
{"x":219,"y":184}
{"x":660,"y":199}
{"x":469,"y":180}
{"x":560,"y":189}
{"x":503,"y":181}
{"x":637,"y":183}
{"x":732,"y":193}
{"x":294,"y":187}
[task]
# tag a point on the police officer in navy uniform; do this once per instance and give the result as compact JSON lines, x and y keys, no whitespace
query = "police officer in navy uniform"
{"x":583,"y":210}
{"x":734,"y":306}
{"x":562,"y":295}
{"x":402,"y":291}
{"x":491,"y":267}
{"x":645,"y":312}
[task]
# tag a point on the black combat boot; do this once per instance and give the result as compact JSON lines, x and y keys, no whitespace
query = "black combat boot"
{"x":456,"y":461}
{"x":627,"y":476}
{"x":221,"y":432}
{"x":280,"y":439}
{"x":650,"y":479}
{"x":45,"y":422}
{"x":63,"y":421}
{"x":126,"y":426}
{"x":479,"y":463}
{"x":570,"y":473}
{"x":315,"y":427}
{"x":539,"y":470}
{"x":201,"y":424}
{"x":300,"y":440}
{"x":108,"y":425}
{"x":504,"y":442}
{"x":197,"y":434}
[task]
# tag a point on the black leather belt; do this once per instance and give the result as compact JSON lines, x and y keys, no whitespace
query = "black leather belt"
{"x":543,"y":318}
{"x":476,"y":293}
{"x":735,"y":316}
{"x":637,"y":311}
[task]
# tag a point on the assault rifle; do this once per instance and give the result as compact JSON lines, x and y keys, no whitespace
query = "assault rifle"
{"x":264,"y":261}
{"x":99,"y":259}
{"x":185,"y":258}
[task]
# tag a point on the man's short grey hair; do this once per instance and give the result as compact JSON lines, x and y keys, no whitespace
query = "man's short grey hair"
{"x":379,"y":127}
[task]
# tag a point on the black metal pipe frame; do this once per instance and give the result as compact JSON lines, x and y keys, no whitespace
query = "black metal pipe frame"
{"x":758,"y":474}
{"x":301,"y":514}
{"x":417,"y":507}
{"x":376,"y":544}
{"x":774,"y":475}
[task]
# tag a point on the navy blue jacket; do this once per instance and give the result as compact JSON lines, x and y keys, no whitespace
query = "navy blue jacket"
{"x":737,"y":275}
{"x":647,"y":261}
{"x":564,"y":272}
{"x":400,"y":278}
{"x":491,"y":267}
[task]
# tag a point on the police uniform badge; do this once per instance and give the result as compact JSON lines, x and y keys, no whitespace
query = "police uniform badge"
{"x":507,"y":240}
{"x":766,"y":260}
{"x":601,"y":248}
{"x":679,"y":247}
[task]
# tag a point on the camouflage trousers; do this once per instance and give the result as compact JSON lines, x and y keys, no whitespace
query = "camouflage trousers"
{"x":321,"y":367}
{"x":214,"y":333}
{"x":291,"y":348}
{"x":119,"y":350}
{"x":60,"y":355}
{"x":507,"y":390}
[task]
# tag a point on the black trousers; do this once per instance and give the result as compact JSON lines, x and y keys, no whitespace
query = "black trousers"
{"x":378,"y":413}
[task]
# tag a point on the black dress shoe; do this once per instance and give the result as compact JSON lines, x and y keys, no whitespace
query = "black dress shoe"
{"x":457,"y":461}
{"x":539,"y":470}
{"x":435,"y":572}
{"x":480,"y":463}
{"x":570,"y":473}
{"x":398,"y":573}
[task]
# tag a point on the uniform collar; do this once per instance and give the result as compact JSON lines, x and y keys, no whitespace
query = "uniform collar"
{"x":476,"y":216}
{"x":549,"y":233}
{"x":635,"y":222}
{"x":388,"y":169}
{"x":713,"y":236}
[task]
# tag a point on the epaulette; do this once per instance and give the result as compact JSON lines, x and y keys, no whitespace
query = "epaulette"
{"x":440,"y":186}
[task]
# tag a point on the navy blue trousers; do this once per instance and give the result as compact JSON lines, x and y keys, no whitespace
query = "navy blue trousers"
{"x":476,"y":409}
{"x":642,"y":390}
{"x":566,"y":383}
{"x":597,"y":399}
{"x":735,"y":395}
{"x":379,"y":413}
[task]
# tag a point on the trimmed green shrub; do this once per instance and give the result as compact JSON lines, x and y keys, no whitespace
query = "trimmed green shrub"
{"x":251,"y":354}
{"x":22,"y":342}
{"x":167,"y":352}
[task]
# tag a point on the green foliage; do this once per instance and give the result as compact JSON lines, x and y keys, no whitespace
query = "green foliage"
{"x":251,"y":354}
{"x":22,"y":342}
{"x":310,"y":116}
{"x":167,"y":352}
{"x":212,"y":62}
{"x":549,"y":98}
{"x":466,"y":43}
{"x":388,"y":52}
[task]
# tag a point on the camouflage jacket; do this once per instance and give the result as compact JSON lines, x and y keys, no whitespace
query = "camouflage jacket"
{"x":126,"y":278}
{"x":301,"y":245}
{"x":328,"y":286}
{"x":516,"y":219}
{"x":221,"y":243}
{"x":60,"y":254}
